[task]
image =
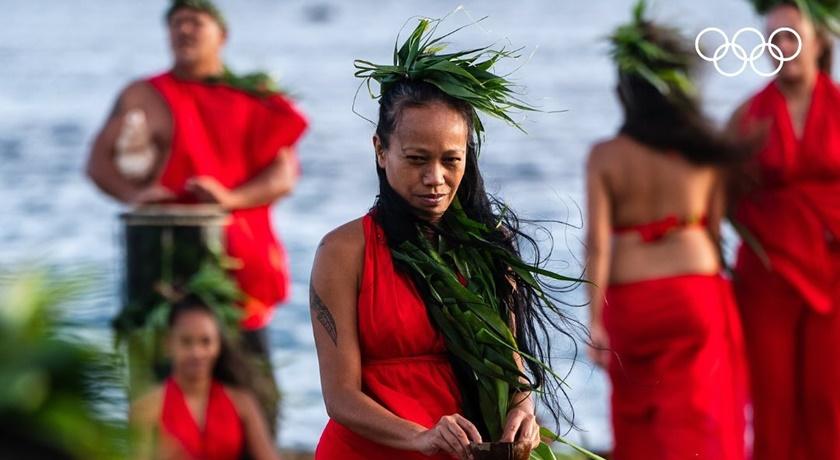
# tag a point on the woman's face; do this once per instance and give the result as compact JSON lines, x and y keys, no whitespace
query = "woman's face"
{"x":194,"y":344}
{"x":807,"y":61}
{"x":425,"y":160}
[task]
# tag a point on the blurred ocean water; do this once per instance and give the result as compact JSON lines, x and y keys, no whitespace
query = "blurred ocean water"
{"x":63,"y":62}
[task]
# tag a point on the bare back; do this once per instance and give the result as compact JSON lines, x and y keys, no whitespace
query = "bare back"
{"x":632,"y":184}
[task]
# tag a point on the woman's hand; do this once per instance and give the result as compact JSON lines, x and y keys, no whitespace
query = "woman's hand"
{"x":452,"y":434}
{"x":599,"y":346}
{"x":521,"y":425}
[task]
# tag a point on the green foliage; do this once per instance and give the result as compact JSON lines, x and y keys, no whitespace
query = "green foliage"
{"x":464,"y":75}
{"x":51,"y":386}
{"x":471,"y":318}
{"x":212,"y":283}
{"x":825,"y":13}
{"x":259,"y":84}
{"x":636,"y":54}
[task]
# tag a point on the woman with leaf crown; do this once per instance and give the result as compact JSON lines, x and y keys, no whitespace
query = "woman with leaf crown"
{"x":787,"y":276}
{"x":663,"y":319}
{"x":428,"y":322}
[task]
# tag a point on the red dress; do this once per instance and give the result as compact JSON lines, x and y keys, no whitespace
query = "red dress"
{"x":790,"y":310}
{"x":678,"y":381}
{"x":678,"y":377}
{"x":223,"y":437}
{"x":404,"y":363}
{"x":231,"y":136}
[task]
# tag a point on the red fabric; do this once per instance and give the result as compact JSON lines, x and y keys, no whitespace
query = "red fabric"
{"x":404,"y":362}
{"x":231,"y":136}
{"x":795,"y":215}
{"x":793,"y":353}
{"x":656,"y":230}
{"x":223,"y":437}
{"x":790,"y":310}
{"x":678,"y":381}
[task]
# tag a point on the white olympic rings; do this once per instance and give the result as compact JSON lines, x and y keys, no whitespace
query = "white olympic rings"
{"x":740,"y":53}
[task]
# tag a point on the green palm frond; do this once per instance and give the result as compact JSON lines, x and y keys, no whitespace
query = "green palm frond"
{"x":465,"y":75}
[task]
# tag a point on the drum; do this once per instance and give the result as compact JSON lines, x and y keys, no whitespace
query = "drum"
{"x":164,"y":246}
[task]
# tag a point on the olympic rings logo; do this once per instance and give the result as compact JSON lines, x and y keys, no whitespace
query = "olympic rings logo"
{"x":741,"y":53}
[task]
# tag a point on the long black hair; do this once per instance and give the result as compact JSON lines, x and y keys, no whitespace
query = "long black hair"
{"x":533,"y":326}
{"x":674,"y":121}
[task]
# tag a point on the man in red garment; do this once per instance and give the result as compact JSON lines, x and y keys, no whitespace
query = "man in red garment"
{"x":215,"y":140}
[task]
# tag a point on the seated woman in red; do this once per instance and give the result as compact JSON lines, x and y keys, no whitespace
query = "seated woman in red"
{"x":393,"y":385}
{"x":198,"y":413}
{"x":663,"y":320}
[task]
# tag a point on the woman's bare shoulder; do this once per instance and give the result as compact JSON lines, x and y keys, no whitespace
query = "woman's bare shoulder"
{"x":603,"y":152}
{"x":345,"y":240}
{"x":242,"y":399}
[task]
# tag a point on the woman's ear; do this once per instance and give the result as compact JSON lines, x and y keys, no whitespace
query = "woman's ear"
{"x":379,"y":150}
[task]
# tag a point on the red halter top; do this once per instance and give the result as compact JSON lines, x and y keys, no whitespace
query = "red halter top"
{"x":223,"y":436}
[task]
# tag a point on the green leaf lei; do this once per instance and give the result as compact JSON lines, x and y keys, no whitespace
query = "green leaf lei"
{"x":471,"y":318}
{"x":259,"y":84}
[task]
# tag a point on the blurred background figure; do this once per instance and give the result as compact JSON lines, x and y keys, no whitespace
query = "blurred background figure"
{"x":206,"y":409}
{"x":663,"y":319}
{"x":201,"y":134}
{"x":787,"y":276}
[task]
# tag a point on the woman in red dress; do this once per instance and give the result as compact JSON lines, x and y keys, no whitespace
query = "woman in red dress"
{"x":788,"y":280}
{"x":391,"y":388}
{"x":201,"y":412}
{"x":663,"y":319}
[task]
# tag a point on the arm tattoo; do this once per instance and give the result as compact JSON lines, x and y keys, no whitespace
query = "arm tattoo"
{"x":323,"y":314}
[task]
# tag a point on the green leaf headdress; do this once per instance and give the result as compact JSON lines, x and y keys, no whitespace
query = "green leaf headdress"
{"x":638,"y":50}
{"x":824,"y":13}
{"x":464,"y":75}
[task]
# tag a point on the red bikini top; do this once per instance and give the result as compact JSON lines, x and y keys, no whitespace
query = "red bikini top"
{"x":658,"y":229}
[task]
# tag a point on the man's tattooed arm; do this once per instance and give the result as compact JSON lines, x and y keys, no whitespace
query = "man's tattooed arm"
{"x":322,"y":313}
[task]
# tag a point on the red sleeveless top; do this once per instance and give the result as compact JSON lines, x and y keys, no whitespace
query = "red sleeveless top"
{"x":795,"y":215}
{"x":230,"y":135}
{"x":404,"y":363}
{"x":223,"y":437}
